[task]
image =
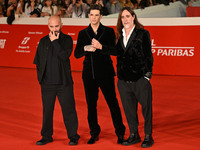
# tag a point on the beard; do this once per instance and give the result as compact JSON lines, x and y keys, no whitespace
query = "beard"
{"x":56,"y":32}
{"x":127,"y":26}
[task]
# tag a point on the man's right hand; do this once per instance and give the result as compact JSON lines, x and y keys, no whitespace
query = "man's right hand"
{"x":53,"y":36}
{"x":89,"y":48}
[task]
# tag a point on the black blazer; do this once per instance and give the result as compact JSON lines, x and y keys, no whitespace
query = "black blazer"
{"x":96,"y":64}
{"x":136,"y":59}
{"x":63,"y":46}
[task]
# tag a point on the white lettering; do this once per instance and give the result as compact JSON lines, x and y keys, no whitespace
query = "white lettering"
{"x":23,"y":47}
{"x":164,"y":52}
{"x":153,"y":50}
{"x":35,"y":32}
{"x":152,"y":42}
{"x":179,"y":52}
{"x":191,"y":52}
{"x":160,"y":51}
{"x":4,"y":32}
{"x":22,"y":51}
{"x":71,"y":33}
{"x":173,"y":52}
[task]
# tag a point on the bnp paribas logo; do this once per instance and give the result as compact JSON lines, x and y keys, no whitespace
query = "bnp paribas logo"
{"x":172,"y":50}
{"x":2,"y":43}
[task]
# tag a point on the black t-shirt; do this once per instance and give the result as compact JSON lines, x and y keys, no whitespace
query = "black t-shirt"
{"x":53,"y":68}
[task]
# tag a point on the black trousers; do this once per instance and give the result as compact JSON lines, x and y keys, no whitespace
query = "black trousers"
{"x":66,"y":99}
{"x":107,"y":87}
{"x":132,"y":93}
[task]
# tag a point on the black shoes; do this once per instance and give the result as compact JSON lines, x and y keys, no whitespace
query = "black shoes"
{"x":44,"y":141}
{"x":120,"y":139}
{"x":133,"y":139}
{"x":74,"y":140}
{"x":148,"y":141}
{"x":92,"y":140}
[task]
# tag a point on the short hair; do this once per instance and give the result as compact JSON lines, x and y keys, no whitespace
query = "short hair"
{"x":96,"y":7}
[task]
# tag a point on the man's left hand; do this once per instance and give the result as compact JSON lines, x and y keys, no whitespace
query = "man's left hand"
{"x":96,"y":44}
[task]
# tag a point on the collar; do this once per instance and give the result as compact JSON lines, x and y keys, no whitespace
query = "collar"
{"x":124,"y":34}
{"x":100,"y":27}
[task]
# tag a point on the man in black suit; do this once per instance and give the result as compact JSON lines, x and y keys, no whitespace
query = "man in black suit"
{"x":95,"y":43}
{"x":134,"y":69}
{"x":54,"y":75}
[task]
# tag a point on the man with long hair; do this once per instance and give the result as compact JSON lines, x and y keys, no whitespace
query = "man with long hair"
{"x":134,"y":69}
{"x":94,"y":43}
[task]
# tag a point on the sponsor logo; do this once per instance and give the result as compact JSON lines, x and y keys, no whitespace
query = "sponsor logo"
{"x":25,"y":40}
{"x":172,"y":51}
{"x":6,"y":32}
{"x":23,"y":48}
{"x":71,"y":33}
{"x":35,"y":32}
{"x":2,"y":43}
{"x":22,"y":51}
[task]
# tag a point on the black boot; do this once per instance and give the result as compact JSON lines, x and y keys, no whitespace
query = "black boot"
{"x":44,"y":141}
{"x":74,"y":140}
{"x":133,"y":139}
{"x":93,"y":139}
{"x":148,"y":141}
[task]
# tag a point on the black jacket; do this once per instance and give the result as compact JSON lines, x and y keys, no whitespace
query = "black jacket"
{"x":136,"y":60}
{"x":96,"y":64}
{"x":63,"y":47}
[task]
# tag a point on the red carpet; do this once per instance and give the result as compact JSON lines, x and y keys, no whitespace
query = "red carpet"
{"x":176,"y":108}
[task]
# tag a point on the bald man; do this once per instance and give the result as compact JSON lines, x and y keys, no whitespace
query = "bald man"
{"x":54,"y":76}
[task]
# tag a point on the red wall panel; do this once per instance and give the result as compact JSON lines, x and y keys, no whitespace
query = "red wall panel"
{"x":175,"y":48}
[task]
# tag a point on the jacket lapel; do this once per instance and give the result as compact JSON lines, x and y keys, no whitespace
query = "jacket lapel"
{"x":100,"y":32}
{"x":122,"y":43}
{"x":130,"y":39}
{"x":91,"y":33}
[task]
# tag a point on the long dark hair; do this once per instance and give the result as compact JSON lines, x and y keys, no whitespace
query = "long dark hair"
{"x":120,"y":25}
{"x":29,"y":3}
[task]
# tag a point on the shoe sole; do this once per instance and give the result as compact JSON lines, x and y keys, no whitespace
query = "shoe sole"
{"x":135,"y":142}
{"x":96,"y":139}
{"x":43,"y":143}
{"x":147,"y":146}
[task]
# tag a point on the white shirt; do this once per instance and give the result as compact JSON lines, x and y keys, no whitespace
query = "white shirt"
{"x":125,"y":41}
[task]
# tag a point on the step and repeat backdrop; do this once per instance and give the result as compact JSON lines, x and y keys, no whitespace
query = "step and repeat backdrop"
{"x":175,"y":42}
